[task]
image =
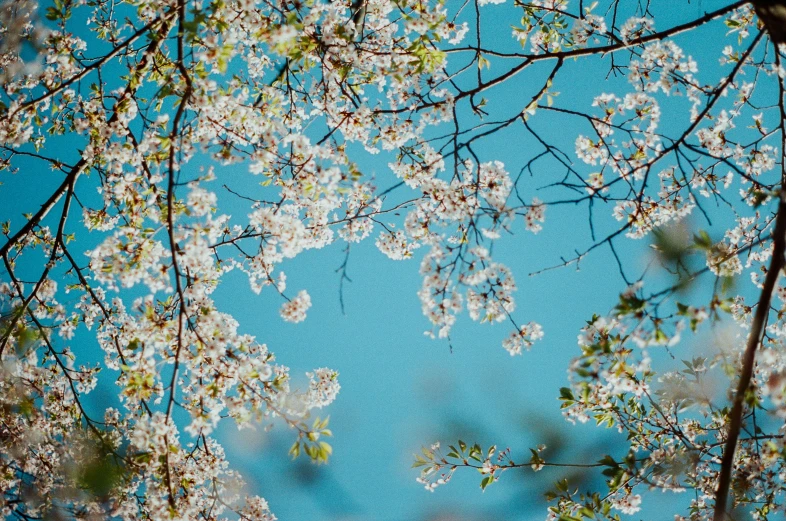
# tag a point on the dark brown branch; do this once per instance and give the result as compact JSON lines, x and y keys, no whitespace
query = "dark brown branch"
{"x":773,"y":14}
{"x":748,"y":359}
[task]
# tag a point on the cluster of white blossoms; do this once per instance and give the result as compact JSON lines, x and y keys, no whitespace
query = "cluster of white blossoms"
{"x":629,"y":158}
{"x":524,"y":338}
{"x":396,"y":245}
{"x":545,"y":26}
{"x":323,"y":386}
{"x":627,"y":504}
{"x":489,"y":288}
{"x":440,"y":298}
{"x":650,"y":213}
{"x":295,"y":309}
{"x":636,"y":27}
{"x":590,"y":26}
{"x":535,"y":215}
{"x":662,"y":66}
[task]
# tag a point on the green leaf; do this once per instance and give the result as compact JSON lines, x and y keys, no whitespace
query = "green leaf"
{"x":294,"y":451}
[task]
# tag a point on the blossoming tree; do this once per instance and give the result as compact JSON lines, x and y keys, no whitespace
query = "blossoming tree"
{"x":138,"y":107}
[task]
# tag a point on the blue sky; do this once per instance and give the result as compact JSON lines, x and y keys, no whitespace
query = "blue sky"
{"x":401,"y":390}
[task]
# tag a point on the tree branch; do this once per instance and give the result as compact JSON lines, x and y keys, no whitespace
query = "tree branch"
{"x":748,"y":359}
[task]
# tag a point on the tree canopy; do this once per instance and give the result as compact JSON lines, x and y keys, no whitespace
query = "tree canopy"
{"x":130,"y":127}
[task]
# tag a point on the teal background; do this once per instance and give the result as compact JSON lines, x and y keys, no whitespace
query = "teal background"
{"x":401,"y":390}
